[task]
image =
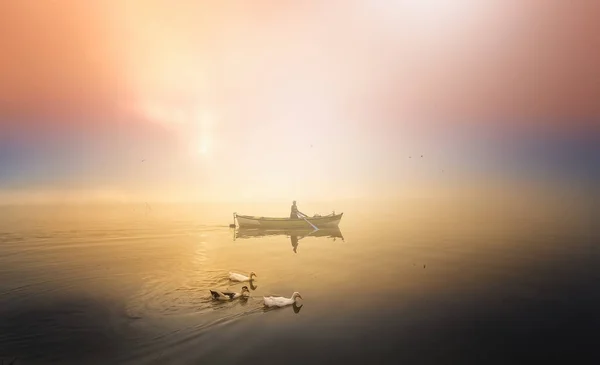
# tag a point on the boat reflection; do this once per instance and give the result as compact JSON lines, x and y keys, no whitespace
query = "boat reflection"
{"x":295,"y":235}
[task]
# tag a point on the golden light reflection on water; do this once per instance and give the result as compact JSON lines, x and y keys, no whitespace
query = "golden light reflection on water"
{"x":158,"y":266}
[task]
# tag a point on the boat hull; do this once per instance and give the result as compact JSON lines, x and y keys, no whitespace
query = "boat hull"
{"x":246,"y":221}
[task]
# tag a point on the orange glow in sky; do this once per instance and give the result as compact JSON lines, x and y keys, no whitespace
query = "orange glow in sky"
{"x":278,"y":100}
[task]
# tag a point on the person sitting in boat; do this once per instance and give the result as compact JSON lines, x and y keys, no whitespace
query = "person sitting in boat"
{"x":295,"y":211}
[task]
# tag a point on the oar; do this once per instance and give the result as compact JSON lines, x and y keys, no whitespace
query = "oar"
{"x":303,"y":217}
{"x":308,"y":234}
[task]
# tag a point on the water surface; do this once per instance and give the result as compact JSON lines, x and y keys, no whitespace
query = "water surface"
{"x":414,"y":283}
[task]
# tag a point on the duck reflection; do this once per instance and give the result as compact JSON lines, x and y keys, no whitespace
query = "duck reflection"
{"x":295,"y":235}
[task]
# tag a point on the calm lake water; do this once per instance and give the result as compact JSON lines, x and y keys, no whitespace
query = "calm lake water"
{"x":409,"y":283}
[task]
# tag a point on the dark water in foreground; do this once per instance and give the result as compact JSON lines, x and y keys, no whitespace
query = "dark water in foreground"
{"x":427,"y":286}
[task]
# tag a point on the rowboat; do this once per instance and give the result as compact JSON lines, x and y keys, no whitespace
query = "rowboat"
{"x":330,"y":232}
{"x":331,"y":220}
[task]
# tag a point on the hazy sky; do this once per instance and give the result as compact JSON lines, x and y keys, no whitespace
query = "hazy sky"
{"x":239,"y":100}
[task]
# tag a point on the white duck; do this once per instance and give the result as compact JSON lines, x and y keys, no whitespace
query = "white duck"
{"x":227,"y":295}
{"x":239,"y":277}
{"x":281,"y":301}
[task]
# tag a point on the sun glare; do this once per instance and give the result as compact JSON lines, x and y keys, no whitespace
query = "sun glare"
{"x":204,"y":122}
{"x":203,"y":150}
